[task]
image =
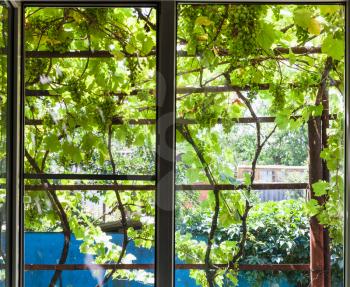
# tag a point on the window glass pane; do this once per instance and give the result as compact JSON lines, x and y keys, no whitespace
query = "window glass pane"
{"x":259,"y":148}
{"x":3,"y":135}
{"x":90,"y":145}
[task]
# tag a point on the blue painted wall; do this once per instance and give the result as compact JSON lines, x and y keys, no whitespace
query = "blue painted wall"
{"x":45,"y":248}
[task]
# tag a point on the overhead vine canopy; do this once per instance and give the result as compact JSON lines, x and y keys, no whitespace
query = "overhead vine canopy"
{"x":246,"y":75}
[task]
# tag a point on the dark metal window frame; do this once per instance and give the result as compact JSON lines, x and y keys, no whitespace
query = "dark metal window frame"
{"x":165,"y":159}
{"x":14,"y":234}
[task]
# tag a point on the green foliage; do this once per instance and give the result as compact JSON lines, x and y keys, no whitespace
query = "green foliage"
{"x":270,"y":241}
{"x":334,"y":47}
{"x":234,"y":61}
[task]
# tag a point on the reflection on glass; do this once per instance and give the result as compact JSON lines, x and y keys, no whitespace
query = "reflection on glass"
{"x":249,"y":80}
{"x":90,"y":110}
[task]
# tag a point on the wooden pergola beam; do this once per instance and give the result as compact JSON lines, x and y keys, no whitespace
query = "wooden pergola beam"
{"x":107,"y":54}
{"x":244,"y":267}
{"x":88,"y":176}
{"x":180,"y":121}
{"x":119,"y":121}
{"x":151,"y":187}
{"x":185,"y":90}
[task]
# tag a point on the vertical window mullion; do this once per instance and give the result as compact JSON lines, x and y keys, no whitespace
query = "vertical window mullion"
{"x":166,"y":144}
{"x":14,"y":224}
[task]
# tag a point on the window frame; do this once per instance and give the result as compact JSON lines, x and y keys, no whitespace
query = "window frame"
{"x":165,"y":128}
{"x":14,"y":246}
{"x":165,"y":131}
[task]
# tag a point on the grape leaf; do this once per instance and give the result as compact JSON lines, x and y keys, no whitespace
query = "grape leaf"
{"x":333,"y":47}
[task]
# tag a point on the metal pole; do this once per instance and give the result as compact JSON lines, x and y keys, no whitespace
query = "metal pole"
{"x":326,"y":177}
{"x":316,"y":229}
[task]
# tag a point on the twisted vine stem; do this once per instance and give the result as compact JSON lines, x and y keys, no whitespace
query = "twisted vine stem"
{"x":61,"y":214}
{"x":120,"y":207}
{"x":210,"y":268}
